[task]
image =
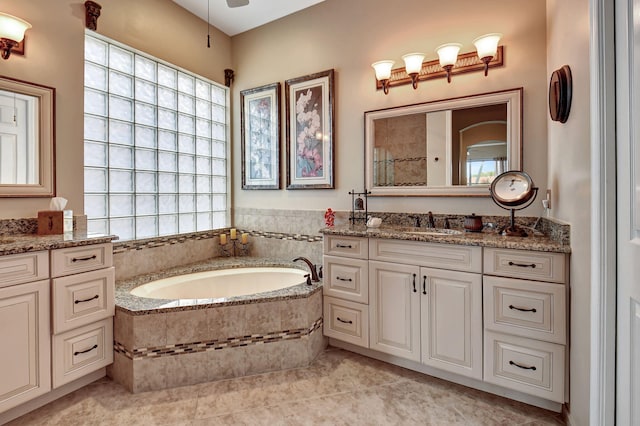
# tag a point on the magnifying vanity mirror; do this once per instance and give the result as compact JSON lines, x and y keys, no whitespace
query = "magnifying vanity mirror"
{"x":26,"y":139}
{"x":452,"y":147}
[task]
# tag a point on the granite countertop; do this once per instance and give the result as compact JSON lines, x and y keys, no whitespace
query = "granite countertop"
{"x":23,"y":243}
{"x":135,"y":305}
{"x":536,"y":241}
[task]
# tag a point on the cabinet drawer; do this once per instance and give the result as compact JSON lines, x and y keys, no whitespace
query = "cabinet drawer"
{"x":532,"y":265}
{"x":347,"y":321}
{"x":526,"y":365}
{"x":441,"y":256}
{"x":82,"y":299}
{"x":526,"y":308}
{"x":23,"y":268}
{"x":81,"y":351}
{"x":73,"y":260}
{"x":338,"y":245}
{"x":346,"y":278}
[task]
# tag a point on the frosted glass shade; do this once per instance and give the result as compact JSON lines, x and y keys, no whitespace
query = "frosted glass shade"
{"x":413,"y":62}
{"x":383,"y":69}
{"x":448,"y":53}
{"x":487,"y":45}
{"x":12,"y":28}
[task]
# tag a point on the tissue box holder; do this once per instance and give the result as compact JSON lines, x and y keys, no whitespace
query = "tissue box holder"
{"x":55,"y":222}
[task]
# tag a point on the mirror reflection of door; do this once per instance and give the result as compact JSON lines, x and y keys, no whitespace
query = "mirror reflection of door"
{"x":18,"y":157}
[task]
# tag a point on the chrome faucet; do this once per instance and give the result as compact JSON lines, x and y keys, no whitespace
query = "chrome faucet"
{"x":432,"y":223}
{"x":312,"y":268}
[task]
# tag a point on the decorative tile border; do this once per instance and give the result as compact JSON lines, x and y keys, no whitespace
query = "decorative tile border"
{"x":212,"y":345}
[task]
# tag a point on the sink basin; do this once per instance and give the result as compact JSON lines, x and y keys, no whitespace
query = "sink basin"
{"x":436,"y":231}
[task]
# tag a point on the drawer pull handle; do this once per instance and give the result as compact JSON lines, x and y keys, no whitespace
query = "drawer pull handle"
{"x":522,"y":309}
{"x":424,"y":284}
{"x":82,"y":259}
{"x":522,"y":265}
{"x":346,"y":322}
{"x":414,"y":283}
{"x":343,"y":246}
{"x":85,"y":351}
{"x":533,"y":367}
{"x":343,"y":279}
{"x":86,"y":300}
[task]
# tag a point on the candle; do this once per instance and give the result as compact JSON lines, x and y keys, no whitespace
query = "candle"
{"x":223,"y":239}
{"x":234,"y":235}
{"x":245,"y":238}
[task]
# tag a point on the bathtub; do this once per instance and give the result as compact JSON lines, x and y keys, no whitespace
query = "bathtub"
{"x":221,"y":284}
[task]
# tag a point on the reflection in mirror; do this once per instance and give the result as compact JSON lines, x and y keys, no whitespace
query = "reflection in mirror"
{"x":451,"y":147}
{"x":26,"y":139}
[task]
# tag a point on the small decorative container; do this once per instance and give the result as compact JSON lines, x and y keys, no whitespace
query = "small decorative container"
{"x":473,"y":223}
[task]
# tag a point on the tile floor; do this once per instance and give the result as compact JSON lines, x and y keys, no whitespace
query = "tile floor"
{"x":339,"y":388}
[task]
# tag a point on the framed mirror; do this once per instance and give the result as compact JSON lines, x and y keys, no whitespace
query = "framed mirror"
{"x":452,"y":147}
{"x":27,"y":134}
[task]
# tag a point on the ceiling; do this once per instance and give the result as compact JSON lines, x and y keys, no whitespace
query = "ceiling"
{"x":236,"y":20}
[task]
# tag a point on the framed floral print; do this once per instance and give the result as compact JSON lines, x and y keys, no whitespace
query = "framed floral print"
{"x":310,"y":130}
{"x":260,"y":137}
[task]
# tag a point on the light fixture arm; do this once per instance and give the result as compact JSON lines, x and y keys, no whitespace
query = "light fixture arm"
{"x":486,"y":61}
{"x":385,"y":85}
{"x":6,"y":45}
{"x":414,"y":80}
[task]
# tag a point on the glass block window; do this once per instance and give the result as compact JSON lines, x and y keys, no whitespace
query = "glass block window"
{"x":155,"y":145}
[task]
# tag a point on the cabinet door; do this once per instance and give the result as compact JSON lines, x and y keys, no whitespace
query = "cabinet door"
{"x":451,"y":315}
{"x":25,"y":358}
{"x":394,"y":309}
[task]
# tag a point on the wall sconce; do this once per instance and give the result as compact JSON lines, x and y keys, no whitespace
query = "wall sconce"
{"x":383,"y":74}
{"x":487,"y":47}
{"x":11,"y":33}
{"x":413,"y":65}
{"x":448,"y":56}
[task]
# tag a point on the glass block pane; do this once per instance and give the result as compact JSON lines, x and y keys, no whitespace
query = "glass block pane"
{"x":217,"y":131}
{"x":168,"y":203}
{"x":203,"y":147}
{"x":218,"y":95}
{"x":168,"y":225}
{"x":145,"y":159}
{"x":203,"y":221}
{"x":218,"y":167}
{"x":120,"y":181}
{"x":203,"y":165}
{"x":145,"y":114}
{"x":167,"y":161}
{"x":95,"y":76}
{"x":219,"y":184}
{"x":186,"y":103}
{"x":186,"y":144}
{"x":95,"y":50}
{"x":167,"y":140}
{"x":186,"y":184}
{"x":203,"y":128}
{"x":146,"y":182}
{"x":186,"y":124}
{"x":168,"y":182}
{"x":145,"y":68}
{"x":145,"y":136}
{"x":167,"y":98}
{"x":218,"y":113}
{"x":203,"y":90}
{"x":145,"y":91}
{"x":145,"y":204}
{"x":167,"y":76}
{"x":219,"y":220}
{"x":218,"y":149}
{"x":95,"y":205}
{"x":95,"y":102}
{"x":120,"y":205}
{"x":120,"y":132}
{"x":219,"y":202}
{"x":95,"y":154}
{"x":203,"y":203}
{"x":186,"y":83}
{"x":203,"y":109}
{"x":95,"y":128}
{"x":187,"y":223}
{"x":167,"y":119}
{"x":186,"y":163}
{"x":186,"y":203}
{"x":121,"y":108}
{"x":120,"y":84}
{"x":120,"y":59}
{"x":98,"y":226}
{"x":146,"y":227}
{"x":121,"y":157}
{"x":123,"y":228}
{"x":95,"y":180}
{"x":203,"y":184}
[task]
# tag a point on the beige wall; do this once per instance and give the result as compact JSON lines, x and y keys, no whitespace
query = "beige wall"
{"x":348,"y":36}
{"x":54,"y":57}
{"x":569,"y":178}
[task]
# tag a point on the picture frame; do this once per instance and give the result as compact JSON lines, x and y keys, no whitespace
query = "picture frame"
{"x":260,"y":137}
{"x":310,"y":121}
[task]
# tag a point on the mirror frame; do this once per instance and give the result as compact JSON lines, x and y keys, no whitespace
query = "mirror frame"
{"x":46,"y":187}
{"x":513,"y":99}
